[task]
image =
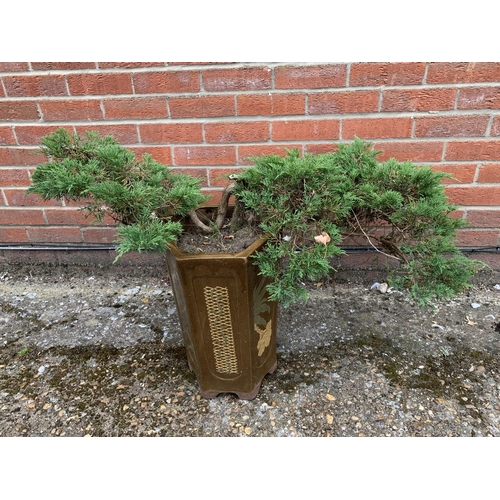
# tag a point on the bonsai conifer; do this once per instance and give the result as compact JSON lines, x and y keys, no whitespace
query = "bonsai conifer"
{"x":306,"y":206}
{"x":143,"y":196}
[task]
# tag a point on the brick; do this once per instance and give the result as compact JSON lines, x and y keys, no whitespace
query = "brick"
{"x":495,"y":127}
{"x":124,"y":134}
{"x":361,"y":101}
{"x":18,"y":198}
{"x":35,"y":85}
{"x":33,"y":134}
{"x":6,"y":136}
{"x":18,"y":110}
{"x":13,"y":235}
{"x":54,"y":235}
{"x":24,"y":257}
{"x":21,"y":216}
{"x":71,"y":110}
{"x":200,"y":173}
{"x":462,"y":173}
{"x":368,"y":261}
{"x":47,"y":66}
{"x":410,"y":151}
{"x":72,"y":217}
{"x":368,"y":74}
{"x":490,"y":259}
{"x":246,"y":152}
{"x":99,"y":83}
{"x":166,"y":133}
{"x":479,"y":98}
{"x":101,"y":235}
{"x":457,"y":214}
{"x":226,"y":80}
{"x":196,"y":63}
{"x":473,"y":150}
{"x":218,"y":176}
{"x":317,"y":149}
{"x":215,"y":197}
{"x":451,"y":126}
{"x":427,"y":99}
{"x":201,"y":106}
{"x":162,"y":154}
{"x":13,"y":66}
{"x":136,"y":107}
{"x":297,"y":130}
{"x":110,"y":65}
{"x":2,"y":93}
{"x":310,"y":77}
{"x":271,"y":104}
{"x":77,"y":203}
{"x":473,"y":196}
{"x":376,"y":128}
{"x":237,"y":132}
{"x":166,"y":81}
{"x":136,"y":259}
{"x":20,"y":156}
{"x":99,"y":258}
{"x":476,"y":238}
{"x":456,"y":72}
{"x":14,"y":177}
{"x":483,"y":218}
{"x":490,"y":173}
{"x":205,"y":155}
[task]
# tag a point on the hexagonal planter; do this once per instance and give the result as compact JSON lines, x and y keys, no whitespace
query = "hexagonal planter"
{"x":227,"y":321}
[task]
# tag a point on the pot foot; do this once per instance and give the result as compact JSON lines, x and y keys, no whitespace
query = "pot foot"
{"x":241,"y":395}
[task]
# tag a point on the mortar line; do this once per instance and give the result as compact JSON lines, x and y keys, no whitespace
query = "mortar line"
{"x":424,"y":79}
{"x":457,"y":98}
{"x":15,"y":135}
{"x":488,"y":127}
{"x":200,"y":81}
{"x":167,"y":101}
{"x":40,"y":113}
{"x":103,"y":111}
{"x":132,"y":83}
{"x":184,"y":94}
{"x":67,"y":85}
{"x":244,"y":118}
{"x":476,"y":174}
{"x":3,"y":87}
{"x":445,"y":147}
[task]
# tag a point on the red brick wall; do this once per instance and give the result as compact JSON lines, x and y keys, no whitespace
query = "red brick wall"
{"x":207,"y":118}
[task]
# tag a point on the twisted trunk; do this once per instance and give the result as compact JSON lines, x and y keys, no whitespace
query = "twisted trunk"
{"x":221,"y":213}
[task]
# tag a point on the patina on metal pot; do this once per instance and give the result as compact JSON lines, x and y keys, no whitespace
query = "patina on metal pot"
{"x":228,"y":323}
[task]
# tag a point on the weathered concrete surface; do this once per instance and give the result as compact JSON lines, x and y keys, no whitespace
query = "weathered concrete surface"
{"x":89,"y":350}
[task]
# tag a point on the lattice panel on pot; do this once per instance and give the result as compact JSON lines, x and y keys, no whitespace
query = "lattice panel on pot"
{"x":221,"y":329}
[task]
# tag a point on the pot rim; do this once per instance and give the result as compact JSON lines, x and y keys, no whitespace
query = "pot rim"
{"x":256,"y":245}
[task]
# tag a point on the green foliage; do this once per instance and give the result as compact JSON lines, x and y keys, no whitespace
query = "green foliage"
{"x":155,"y":234}
{"x":291,"y":198}
{"x":398,"y":208}
{"x":144,"y":196}
{"x":307,"y":205}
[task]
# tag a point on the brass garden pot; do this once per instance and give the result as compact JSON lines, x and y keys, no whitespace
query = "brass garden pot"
{"x":227,"y":321}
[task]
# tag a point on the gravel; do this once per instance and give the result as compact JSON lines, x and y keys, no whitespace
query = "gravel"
{"x":97,"y":351}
